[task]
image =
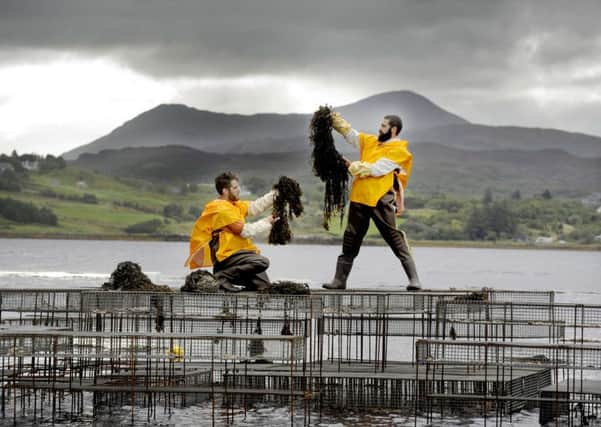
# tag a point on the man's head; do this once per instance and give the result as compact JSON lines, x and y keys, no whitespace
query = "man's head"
{"x":228,"y":186}
{"x":389,"y":128}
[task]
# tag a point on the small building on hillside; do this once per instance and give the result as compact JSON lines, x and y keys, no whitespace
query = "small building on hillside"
{"x":544,"y":240}
{"x":30,"y":165}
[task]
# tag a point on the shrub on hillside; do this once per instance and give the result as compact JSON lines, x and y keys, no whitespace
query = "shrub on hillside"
{"x":86,"y":198}
{"x":135,"y":206}
{"x":51,"y":163}
{"x":491,"y":221}
{"x":26,"y":213}
{"x":89,"y":198}
{"x":173,"y":211}
{"x":9,"y":181}
{"x":145,"y":227}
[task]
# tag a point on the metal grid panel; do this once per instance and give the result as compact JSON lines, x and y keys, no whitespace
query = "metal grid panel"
{"x":39,"y":300}
{"x":129,"y":346}
{"x":377,"y":325}
{"x":570,"y":356}
{"x":500,"y":295}
{"x":570,"y":315}
{"x":216,"y":306}
{"x":495,"y":321}
{"x":500,"y":330}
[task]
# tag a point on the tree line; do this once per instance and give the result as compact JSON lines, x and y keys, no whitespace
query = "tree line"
{"x":26,"y":213}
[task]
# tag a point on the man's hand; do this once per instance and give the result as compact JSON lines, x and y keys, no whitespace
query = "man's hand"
{"x":400,"y":205}
{"x":271,"y":219}
{"x":399,"y":200}
{"x":339,"y":124}
{"x":360,"y":169}
{"x":346,"y":161}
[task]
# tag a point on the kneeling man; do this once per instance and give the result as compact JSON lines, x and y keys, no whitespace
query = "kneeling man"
{"x":221,"y":237}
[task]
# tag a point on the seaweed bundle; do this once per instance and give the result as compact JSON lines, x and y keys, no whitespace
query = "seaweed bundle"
{"x":201,"y":281}
{"x":286,"y":204}
{"x":128,"y":276}
{"x":328,"y":165}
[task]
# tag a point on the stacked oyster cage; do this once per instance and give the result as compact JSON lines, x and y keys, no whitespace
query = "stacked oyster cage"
{"x":429,"y":355}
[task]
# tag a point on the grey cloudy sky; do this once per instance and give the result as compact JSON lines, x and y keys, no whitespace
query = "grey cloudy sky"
{"x":73,"y":70}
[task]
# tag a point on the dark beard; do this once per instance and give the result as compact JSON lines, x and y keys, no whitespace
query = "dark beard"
{"x":383,"y":137}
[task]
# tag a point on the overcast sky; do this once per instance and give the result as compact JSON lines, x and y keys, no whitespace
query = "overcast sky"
{"x":73,"y":70}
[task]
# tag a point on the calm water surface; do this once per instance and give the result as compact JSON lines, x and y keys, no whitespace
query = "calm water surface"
{"x":64,"y":263}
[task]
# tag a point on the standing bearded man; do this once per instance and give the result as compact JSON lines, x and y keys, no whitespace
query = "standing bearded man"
{"x":221,"y":237}
{"x":380,"y":177}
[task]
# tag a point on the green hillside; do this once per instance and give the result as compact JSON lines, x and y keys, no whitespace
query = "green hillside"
{"x":92,"y":205}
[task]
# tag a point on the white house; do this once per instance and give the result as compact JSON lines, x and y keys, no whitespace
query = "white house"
{"x":544,"y":240}
{"x":30,"y":165}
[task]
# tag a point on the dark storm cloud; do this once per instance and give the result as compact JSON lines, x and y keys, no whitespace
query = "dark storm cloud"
{"x":196,"y":38}
{"x":442,"y":48}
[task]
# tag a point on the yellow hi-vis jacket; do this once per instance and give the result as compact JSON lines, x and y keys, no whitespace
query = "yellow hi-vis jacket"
{"x":217,"y":215}
{"x":370,"y":189}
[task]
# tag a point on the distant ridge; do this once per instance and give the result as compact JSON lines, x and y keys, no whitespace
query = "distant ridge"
{"x":480,"y":137}
{"x":177,"y":124}
{"x":436,"y":168}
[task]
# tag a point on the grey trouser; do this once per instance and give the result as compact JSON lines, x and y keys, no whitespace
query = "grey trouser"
{"x":384,"y":218}
{"x":244,"y":268}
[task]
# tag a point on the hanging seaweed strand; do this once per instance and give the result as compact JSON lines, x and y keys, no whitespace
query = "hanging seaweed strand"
{"x":286,"y":205}
{"x":328,"y":165}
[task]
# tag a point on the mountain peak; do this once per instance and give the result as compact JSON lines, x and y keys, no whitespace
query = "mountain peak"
{"x":416,"y":111}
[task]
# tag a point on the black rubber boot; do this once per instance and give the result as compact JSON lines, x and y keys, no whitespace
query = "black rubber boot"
{"x":414,"y":283}
{"x":343,"y":269}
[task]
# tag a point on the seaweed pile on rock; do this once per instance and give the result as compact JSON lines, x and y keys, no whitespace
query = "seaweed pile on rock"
{"x":287,"y":287}
{"x":200,"y":281}
{"x":128,"y":276}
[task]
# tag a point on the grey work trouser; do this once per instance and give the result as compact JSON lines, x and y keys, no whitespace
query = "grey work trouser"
{"x":383,"y":215}
{"x":244,"y":268}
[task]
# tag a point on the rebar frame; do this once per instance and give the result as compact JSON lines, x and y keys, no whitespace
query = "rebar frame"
{"x":566,"y":368}
{"x":149,"y":350}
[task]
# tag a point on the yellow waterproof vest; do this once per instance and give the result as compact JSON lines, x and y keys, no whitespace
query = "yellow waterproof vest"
{"x":370,"y":189}
{"x":217,"y":215}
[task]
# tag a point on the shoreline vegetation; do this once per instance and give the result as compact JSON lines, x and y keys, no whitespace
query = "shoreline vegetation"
{"x":319,"y":240}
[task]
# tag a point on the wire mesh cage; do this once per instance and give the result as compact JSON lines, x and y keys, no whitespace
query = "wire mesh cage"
{"x":433,"y":354}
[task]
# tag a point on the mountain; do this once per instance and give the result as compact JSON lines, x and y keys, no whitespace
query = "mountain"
{"x":223,"y":133}
{"x":436,"y":168}
{"x":479,"y":137}
{"x":277,"y":133}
